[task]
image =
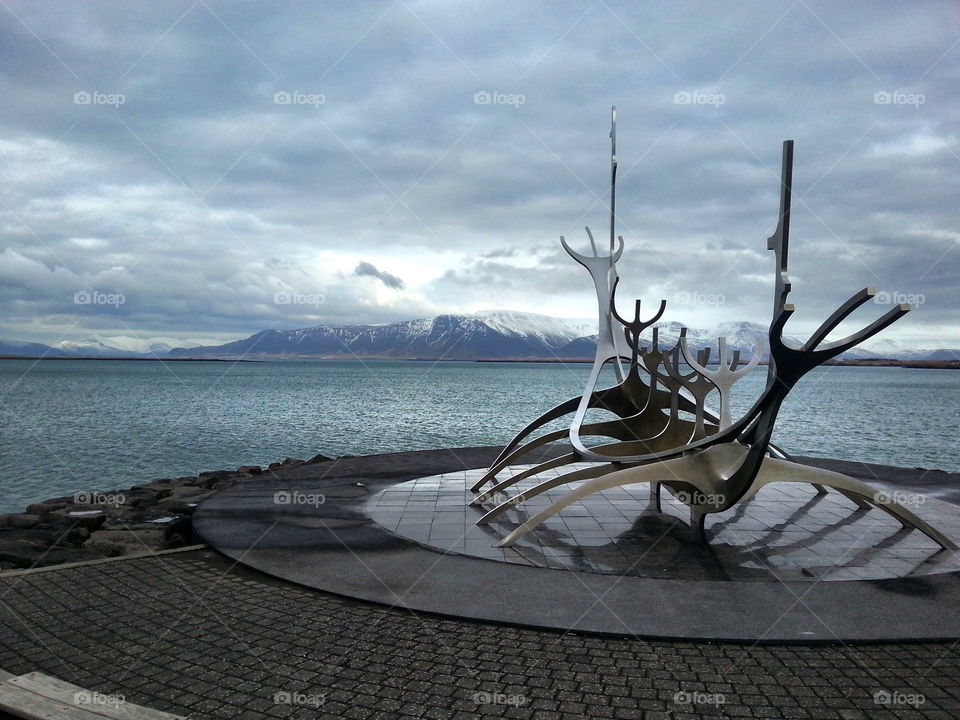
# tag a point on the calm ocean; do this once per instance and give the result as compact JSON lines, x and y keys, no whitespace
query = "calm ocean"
{"x":79,"y":425}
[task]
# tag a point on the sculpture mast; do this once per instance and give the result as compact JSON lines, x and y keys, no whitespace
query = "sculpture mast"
{"x":613,"y":176}
{"x":779,"y":242}
{"x":613,"y":218}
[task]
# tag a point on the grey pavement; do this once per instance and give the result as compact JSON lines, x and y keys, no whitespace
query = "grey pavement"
{"x":195,"y":634}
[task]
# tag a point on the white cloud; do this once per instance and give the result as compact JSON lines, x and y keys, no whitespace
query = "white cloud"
{"x":913,"y":145}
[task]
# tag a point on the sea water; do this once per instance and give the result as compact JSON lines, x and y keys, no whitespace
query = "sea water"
{"x":71,"y":426}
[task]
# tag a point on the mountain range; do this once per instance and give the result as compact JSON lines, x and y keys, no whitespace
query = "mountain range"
{"x":488,"y":335}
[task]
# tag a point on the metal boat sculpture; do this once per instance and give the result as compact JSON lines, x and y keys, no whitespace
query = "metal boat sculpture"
{"x":664,"y":433}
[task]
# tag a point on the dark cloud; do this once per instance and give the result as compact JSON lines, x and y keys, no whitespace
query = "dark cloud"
{"x":365,"y":269}
{"x":263,"y":151}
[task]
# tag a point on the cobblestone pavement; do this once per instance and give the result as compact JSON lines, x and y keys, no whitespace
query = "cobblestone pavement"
{"x":193,"y":634}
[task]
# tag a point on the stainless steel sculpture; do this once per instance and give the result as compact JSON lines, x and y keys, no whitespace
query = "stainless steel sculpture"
{"x":726,"y":374}
{"x":668,"y":436}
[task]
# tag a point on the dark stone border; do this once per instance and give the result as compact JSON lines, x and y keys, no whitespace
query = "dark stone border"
{"x":337,"y":548}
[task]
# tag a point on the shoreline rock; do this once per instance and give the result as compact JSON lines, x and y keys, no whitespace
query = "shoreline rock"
{"x":155,"y":515}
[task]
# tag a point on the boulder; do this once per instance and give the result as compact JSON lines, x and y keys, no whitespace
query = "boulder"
{"x":88,"y":519}
{"x":44,"y":509}
{"x":20,"y":520}
{"x":85,"y":515}
{"x":173,"y":525}
{"x":319,"y":458}
{"x":176,"y":540}
{"x":120,"y":522}
{"x":138,"y":497}
{"x":159,"y":489}
{"x":190,"y":493}
{"x":21,"y":557}
{"x":207,"y":479}
{"x":249,"y":470}
{"x":63,"y":500}
{"x":124,"y":542}
{"x":287,"y":463}
{"x":167,"y":525}
{"x":25,"y":547}
{"x":73,"y":537}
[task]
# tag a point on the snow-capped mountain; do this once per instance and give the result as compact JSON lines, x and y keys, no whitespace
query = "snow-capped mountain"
{"x":95,"y":346}
{"x":493,"y":334}
{"x":28,"y":349}
{"x":740,"y":335}
{"x":487,"y":335}
{"x":91,"y":347}
{"x":886,"y":348}
{"x":511,"y":322}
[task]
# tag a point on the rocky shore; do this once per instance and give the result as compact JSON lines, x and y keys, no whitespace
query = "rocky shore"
{"x":143,"y":518}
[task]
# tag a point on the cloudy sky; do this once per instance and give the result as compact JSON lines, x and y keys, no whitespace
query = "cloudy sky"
{"x":194,"y":172}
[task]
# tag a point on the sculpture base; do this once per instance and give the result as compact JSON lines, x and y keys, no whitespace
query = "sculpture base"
{"x":337,"y":546}
{"x":786,"y":532}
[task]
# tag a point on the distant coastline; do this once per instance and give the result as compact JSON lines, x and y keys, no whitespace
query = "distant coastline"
{"x":887,"y":362}
{"x":879,"y":362}
{"x":871,"y":362}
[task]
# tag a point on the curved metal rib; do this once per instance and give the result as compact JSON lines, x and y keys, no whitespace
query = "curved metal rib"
{"x":833,"y":349}
{"x":620,"y":399}
{"x":838,"y":316}
{"x":555,"y":413}
{"x":774,"y":470}
{"x":501,"y":486}
{"x":625,"y":429}
{"x":582,"y":474}
{"x":665,"y":440}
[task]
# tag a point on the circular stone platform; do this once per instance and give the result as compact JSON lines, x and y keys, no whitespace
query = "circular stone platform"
{"x":750,"y":584}
{"x":786,"y":532}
